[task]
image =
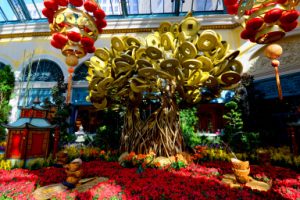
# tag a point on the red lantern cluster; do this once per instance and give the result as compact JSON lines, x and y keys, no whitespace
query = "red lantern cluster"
{"x":265,"y":22}
{"x":75,"y":25}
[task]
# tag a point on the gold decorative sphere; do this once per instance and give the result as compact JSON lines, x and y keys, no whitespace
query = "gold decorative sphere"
{"x":71,"y":60}
{"x":273,"y":51}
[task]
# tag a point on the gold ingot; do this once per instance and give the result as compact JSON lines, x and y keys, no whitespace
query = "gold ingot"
{"x":167,"y":41}
{"x":235,"y":66}
{"x":70,"y":18}
{"x":96,"y":62}
{"x":175,"y":29}
{"x":224,"y":47}
{"x":207,"y":41}
{"x":154,"y":53}
{"x":269,"y":35}
{"x":117,"y":43}
{"x":128,"y":59}
{"x":105,"y":83}
{"x":182,"y":37}
{"x":76,"y":50}
{"x":103,"y":54}
{"x":143,"y":63}
{"x":102,"y":105}
{"x":120,"y":81}
{"x":132,"y":42}
{"x":60,"y":18}
{"x":193,"y":64}
{"x":164,"y":75}
{"x":229,"y":78}
{"x":152,"y":40}
{"x":169,"y":64}
{"x":211,"y":82}
{"x":122,"y":67}
{"x":164,"y":27}
{"x":147,"y":72}
{"x":206,"y":63}
{"x":232,"y":55}
{"x":140,"y":53}
{"x":188,"y":50}
{"x":190,"y":26}
{"x":82,"y":21}
{"x":219,"y":67}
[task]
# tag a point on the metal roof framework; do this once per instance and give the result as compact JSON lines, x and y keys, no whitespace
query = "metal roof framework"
{"x":30,"y":11}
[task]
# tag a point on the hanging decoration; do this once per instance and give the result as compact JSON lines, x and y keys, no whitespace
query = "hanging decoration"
{"x":264,"y":21}
{"x":75,"y":26}
{"x":273,"y":51}
{"x":178,"y":62}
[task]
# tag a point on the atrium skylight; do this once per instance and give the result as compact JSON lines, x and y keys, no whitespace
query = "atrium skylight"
{"x":22,"y":11}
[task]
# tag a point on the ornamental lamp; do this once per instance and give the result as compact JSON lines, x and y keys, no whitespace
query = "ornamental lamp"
{"x":75,"y":26}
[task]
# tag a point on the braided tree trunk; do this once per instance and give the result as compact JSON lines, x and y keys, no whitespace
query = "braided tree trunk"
{"x":160,"y":132}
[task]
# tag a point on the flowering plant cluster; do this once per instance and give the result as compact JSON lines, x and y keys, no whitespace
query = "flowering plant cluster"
{"x":90,"y":153}
{"x":193,"y":182}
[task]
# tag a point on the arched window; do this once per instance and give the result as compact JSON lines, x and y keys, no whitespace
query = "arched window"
{"x":42,"y":70}
{"x":80,"y":73}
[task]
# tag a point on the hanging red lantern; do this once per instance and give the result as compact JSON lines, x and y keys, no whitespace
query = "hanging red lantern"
{"x":247,"y":34}
{"x":63,"y":2}
{"x":61,"y":38}
{"x":91,"y":49}
{"x":289,"y":16}
{"x":230,"y":2}
{"x":51,"y":4}
{"x":99,"y":14}
{"x":74,"y":30}
{"x":87,"y":42}
{"x":273,"y":15}
{"x":269,"y":19}
{"x":233,"y":9}
{"x":74,"y":36}
{"x":101,"y":23}
{"x":48,"y":13}
{"x":56,"y":44}
{"x":290,"y":26}
{"x":76,"y":3}
{"x":90,"y":5}
{"x":254,"y":24}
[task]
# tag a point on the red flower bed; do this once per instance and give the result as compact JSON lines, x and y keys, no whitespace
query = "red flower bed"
{"x":194,"y":182}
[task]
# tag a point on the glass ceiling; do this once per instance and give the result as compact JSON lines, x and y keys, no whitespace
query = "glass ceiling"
{"x":23,"y":11}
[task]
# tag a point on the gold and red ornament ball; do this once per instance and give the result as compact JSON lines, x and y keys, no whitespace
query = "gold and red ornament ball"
{"x":265,"y":21}
{"x":75,"y":26}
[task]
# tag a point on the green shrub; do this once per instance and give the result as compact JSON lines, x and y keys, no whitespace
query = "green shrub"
{"x":188,"y":122}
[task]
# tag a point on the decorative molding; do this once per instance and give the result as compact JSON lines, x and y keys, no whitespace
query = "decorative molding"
{"x":112,"y":31}
{"x":123,"y":25}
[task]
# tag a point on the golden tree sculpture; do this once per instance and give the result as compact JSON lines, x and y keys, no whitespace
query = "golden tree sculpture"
{"x":176,"y":62}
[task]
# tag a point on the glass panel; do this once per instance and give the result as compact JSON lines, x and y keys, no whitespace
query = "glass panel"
{"x":149,"y":6}
{"x":32,"y":9}
{"x":80,"y":73}
{"x":44,"y":70}
{"x":27,"y":97}
{"x":203,"y":5}
{"x":8,"y":11}
{"x":111,"y":7}
{"x":1,"y":18}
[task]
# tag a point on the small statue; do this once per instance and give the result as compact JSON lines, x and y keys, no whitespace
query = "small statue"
{"x":61,"y":159}
{"x":74,"y":173}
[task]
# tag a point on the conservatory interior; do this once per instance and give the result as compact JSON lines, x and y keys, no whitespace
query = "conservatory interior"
{"x":149,"y":99}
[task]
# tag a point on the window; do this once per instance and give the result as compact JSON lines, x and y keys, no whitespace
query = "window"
{"x":42,"y":70}
{"x":80,"y":73}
